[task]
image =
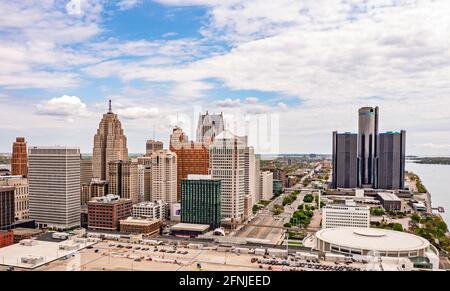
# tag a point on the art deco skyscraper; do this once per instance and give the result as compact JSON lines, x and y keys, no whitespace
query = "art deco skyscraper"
{"x":209,"y":126}
{"x":110,"y":144}
{"x":367,"y":146}
{"x":19,"y":160}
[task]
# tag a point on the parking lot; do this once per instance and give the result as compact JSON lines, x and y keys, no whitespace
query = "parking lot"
{"x":304,"y":265}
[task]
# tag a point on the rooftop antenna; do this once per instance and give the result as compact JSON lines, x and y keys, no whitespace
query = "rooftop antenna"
{"x":110,"y":106}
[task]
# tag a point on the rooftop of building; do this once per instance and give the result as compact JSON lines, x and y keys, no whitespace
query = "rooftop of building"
{"x":372,"y":239}
{"x":45,"y":251}
{"x":190,"y":227}
{"x":26,"y":231}
{"x":110,"y":198}
{"x":386,"y":196}
{"x":139,"y":221}
{"x":199,"y":177}
{"x":150,"y":203}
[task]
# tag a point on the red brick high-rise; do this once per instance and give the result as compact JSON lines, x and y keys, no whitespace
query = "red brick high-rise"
{"x":19,"y":160}
{"x":192,"y":157}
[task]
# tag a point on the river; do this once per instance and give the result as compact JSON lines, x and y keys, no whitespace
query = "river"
{"x":434,"y":178}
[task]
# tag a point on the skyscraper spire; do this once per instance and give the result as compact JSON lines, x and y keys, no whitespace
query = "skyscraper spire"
{"x":110,"y":106}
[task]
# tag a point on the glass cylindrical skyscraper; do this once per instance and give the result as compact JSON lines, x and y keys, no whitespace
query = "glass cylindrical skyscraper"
{"x":367,"y":146}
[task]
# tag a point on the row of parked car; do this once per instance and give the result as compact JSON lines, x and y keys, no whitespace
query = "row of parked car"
{"x":309,"y":264}
{"x":138,"y":248}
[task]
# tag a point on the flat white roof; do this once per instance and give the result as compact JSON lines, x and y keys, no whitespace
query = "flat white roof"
{"x":190,"y":227}
{"x":12,"y":255}
{"x":372,"y":239}
{"x":199,"y":177}
{"x":389,"y":196}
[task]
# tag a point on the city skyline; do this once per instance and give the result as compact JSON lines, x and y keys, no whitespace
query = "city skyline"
{"x":162,"y":62}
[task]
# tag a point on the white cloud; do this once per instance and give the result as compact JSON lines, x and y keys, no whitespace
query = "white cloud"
{"x":138,"y":113}
{"x":35,"y":42}
{"x":128,"y":4}
{"x":64,"y":106}
{"x":229,"y":103}
{"x":251,"y":100}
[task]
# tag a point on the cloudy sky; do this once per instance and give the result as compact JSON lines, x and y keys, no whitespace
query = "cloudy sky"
{"x":307,"y":65}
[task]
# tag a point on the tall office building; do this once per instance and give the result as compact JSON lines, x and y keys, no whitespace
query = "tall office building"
{"x":54,"y":186}
{"x":110,"y":144}
{"x":200,"y":200}
{"x":391,"y":160}
{"x":124,"y":180}
{"x":227,"y":164}
{"x":19,"y":159}
{"x":250,"y":175}
{"x":380,"y":157}
{"x":86,"y":173}
{"x":345,"y":161}
{"x":153,"y":146}
{"x":367,"y":146}
{"x":257,"y":179}
{"x":266,"y":186}
{"x":7,"y":210}
{"x":209,"y":126}
{"x":96,"y":188}
{"x":145,"y":175}
{"x":192,"y":157}
{"x":21,"y":195}
{"x":163,"y":180}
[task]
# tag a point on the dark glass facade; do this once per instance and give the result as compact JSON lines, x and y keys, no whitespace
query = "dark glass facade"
{"x":201,"y":202}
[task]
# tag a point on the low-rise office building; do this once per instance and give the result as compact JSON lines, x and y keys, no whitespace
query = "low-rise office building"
{"x":140,"y":226}
{"x":21,"y":197}
{"x":6,"y":238}
{"x":346,"y":215}
{"x":151,"y":210}
{"x":105,"y":213}
{"x":389,"y":201}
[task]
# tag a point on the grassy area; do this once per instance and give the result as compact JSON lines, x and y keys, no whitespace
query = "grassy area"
{"x":302,"y":217}
{"x":288,"y":200}
{"x":385,"y":225}
{"x":377,"y":211}
{"x":433,"y":228}
{"x":420,"y":187}
{"x":308,"y":198}
{"x":277,"y":209}
{"x":295,"y":243}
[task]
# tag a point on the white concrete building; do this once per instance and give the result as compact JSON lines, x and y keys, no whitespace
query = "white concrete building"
{"x":163,"y":177}
{"x":348,"y":215}
{"x":250,"y":175}
{"x":266,"y":185}
{"x":227,"y":163}
{"x":379,"y":244}
{"x":54,"y":186}
{"x":151,"y":210}
{"x":21,"y":195}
